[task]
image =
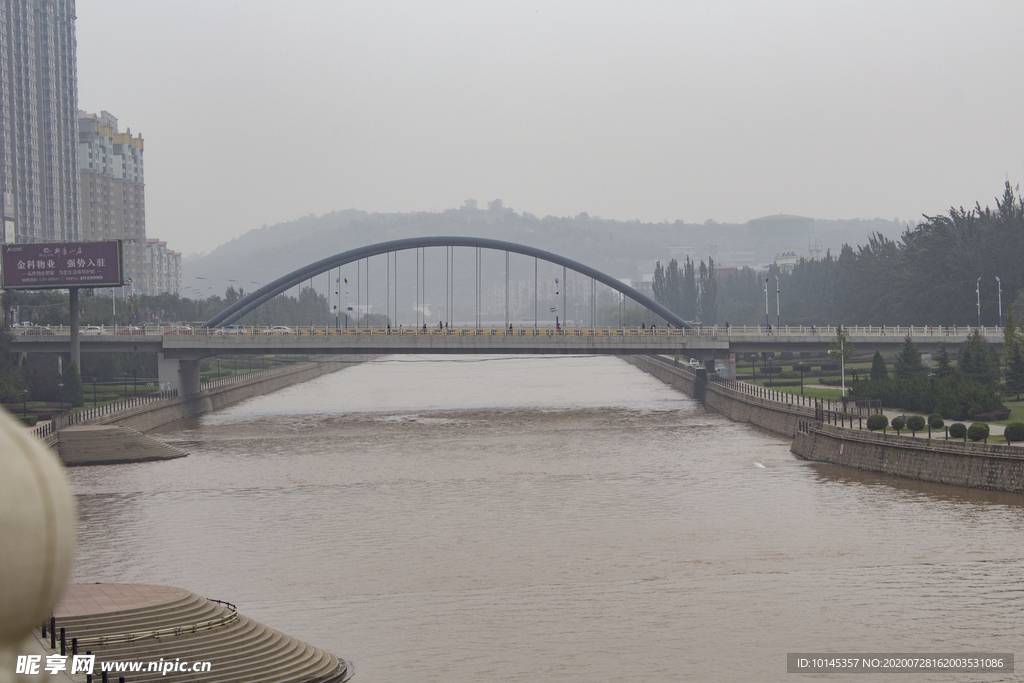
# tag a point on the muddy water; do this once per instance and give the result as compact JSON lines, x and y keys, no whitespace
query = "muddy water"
{"x":566,"y":519}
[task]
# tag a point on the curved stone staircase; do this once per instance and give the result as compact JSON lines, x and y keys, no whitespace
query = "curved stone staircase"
{"x":195,"y":629}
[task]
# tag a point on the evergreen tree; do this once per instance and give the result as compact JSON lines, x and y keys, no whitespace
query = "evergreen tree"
{"x":1014,"y":350}
{"x":707,"y":302}
{"x":878,"y":369}
{"x":979,"y":361}
{"x":688,"y":308}
{"x":72,"y":392}
{"x":908,"y":360}
{"x":944,"y":368}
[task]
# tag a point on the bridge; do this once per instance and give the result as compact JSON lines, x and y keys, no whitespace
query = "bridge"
{"x":179,"y":349}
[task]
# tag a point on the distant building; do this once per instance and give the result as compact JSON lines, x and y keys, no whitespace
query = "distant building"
{"x":787,"y":261}
{"x":39,"y":127}
{"x":113,"y":188}
{"x":162,"y":269}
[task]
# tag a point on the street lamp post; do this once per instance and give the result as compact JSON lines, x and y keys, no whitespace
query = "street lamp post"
{"x":766,"y":324}
{"x":126,"y":386}
{"x":778,"y":316}
{"x":842,"y":362}
{"x":24,"y":402}
{"x":60,"y":390}
{"x":978,"y":292}
{"x":1000,"y":284}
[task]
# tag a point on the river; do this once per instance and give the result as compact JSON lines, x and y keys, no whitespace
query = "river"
{"x":549,"y":518}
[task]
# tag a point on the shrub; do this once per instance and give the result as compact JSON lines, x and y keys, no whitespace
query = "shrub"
{"x":977,"y":431}
{"x":31,"y":420}
{"x":915,"y":423}
{"x":878,"y":421}
{"x":1014,"y":432}
{"x":935,"y":421}
{"x":786,"y":355}
{"x":898,"y":423}
{"x":832,"y":365}
{"x":958,"y":430}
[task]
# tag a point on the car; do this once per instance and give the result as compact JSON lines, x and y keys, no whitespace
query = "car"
{"x":91,"y":330}
{"x":694,"y":363}
{"x":230,"y":329}
{"x":281,"y":329}
{"x":181,"y":329}
{"x":35,"y":330}
{"x":130,"y":329}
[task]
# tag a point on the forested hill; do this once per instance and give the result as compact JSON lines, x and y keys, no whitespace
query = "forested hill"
{"x":611,"y":246}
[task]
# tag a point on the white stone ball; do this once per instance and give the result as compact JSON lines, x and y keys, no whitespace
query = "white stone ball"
{"x":37,"y":531}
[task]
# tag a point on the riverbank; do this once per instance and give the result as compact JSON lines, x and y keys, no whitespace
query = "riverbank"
{"x":96,"y":446}
{"x":818,"y":435}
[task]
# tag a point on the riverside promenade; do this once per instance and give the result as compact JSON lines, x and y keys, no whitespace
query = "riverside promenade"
{"x":831,"y":432}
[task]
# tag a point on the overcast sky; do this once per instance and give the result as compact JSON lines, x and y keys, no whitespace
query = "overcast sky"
{"x":259,"y":112}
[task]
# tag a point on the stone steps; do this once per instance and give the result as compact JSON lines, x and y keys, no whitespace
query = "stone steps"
{"x":110,"y":444}
{"x":242,"y":650}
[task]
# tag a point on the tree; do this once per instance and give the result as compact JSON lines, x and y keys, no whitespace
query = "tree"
{"x":978,"y":360}
{"x":908,"y":360}
{"x":72,"y":392}
{"x":707,"y":302}
{"x":944,"y":368}
{"x":841,"y":347}
{"x":1014,"y":351}
{"x":878,"y":369}
{"x":688,"y":304}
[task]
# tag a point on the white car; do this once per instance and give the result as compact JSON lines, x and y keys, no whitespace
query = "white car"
{"x":281,"y":329}
{"x":92,"y":329}
{"x":694,"y":363}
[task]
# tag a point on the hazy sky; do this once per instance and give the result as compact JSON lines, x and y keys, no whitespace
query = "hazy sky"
{"x":258,"y":112}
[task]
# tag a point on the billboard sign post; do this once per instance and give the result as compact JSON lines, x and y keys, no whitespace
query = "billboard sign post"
{"x":63,"y":265}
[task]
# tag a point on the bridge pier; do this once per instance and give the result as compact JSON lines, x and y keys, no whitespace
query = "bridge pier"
{"x":175,"y":373}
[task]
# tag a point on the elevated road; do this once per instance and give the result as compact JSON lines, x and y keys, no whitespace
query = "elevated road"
{"x":709,"y":342}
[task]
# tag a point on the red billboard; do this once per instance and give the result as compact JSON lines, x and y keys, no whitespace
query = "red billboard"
{"x":63,"y":265}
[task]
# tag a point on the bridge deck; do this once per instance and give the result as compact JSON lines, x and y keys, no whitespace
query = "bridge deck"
{"x":184,"y":342}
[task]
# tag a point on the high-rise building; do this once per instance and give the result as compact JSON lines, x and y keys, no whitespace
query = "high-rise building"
{"x":39,"y":128}
{"x":113,"y":188}
{"x":162,"y":268}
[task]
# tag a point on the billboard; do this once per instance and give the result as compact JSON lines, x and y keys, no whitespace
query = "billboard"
{"x":62,"y":265}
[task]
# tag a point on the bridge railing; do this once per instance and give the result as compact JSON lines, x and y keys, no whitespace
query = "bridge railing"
{"x":809,"y":332}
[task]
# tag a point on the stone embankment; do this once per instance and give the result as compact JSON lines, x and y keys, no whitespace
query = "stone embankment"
{"x":818,"y":433}
{"x":160,"y":624}
{"x":137,"y":416}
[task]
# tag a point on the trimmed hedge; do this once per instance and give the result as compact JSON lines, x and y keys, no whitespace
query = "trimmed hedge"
{"x":978,"y":431}
{"x":29,"y":420}
{"x":958,"y":430}
{"x":1014,"y":432}
{"x":877,"y":421}
{"x":899,"y":424}
{"x":935,"y":421}
{"x":916,"y":423}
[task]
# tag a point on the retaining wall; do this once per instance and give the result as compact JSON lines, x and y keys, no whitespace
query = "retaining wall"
{"x":994,"y":467}
{"x":220,"y":395}
{"x":999,"y":468}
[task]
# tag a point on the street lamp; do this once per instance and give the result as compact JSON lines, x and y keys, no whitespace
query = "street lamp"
{"x":778,"y":317}
{"x":978,"y":292}
{"x":126,"y":386}
{"x":766,"y":325}
{"x":842,"y":362}
{"x":24,"y":402}
{"x":60,"y":390}
{"x":1000,"y":284}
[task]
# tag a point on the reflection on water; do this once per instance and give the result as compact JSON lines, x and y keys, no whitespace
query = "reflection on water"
{"x":564,"y":519}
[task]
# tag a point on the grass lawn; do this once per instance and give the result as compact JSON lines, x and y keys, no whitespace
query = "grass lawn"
{"x":813,"y":392}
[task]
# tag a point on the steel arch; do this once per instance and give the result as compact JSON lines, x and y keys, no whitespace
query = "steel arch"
{"x":286,"y":282}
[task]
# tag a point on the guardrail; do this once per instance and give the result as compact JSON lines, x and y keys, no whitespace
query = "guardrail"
{"x":825,"y":332}
{"x":83,"y":416}
{"x":99,"y":641}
